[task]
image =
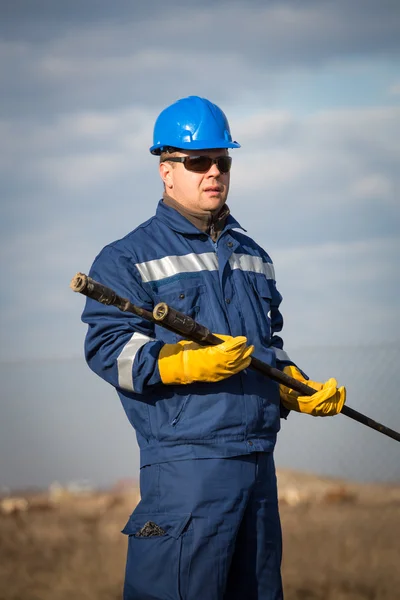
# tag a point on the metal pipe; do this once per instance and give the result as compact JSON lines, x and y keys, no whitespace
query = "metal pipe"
{"x":167,"y":317}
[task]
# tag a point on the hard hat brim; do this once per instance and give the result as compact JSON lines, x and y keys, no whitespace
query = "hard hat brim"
{"x":203,"y":145}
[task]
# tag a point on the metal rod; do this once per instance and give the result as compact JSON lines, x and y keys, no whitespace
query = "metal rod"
{"x":167,"y":317}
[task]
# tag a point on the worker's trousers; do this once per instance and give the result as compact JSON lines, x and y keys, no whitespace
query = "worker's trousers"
{"x":206,"y":529}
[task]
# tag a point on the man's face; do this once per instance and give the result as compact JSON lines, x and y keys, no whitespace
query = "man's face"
{"x":201,"y":192}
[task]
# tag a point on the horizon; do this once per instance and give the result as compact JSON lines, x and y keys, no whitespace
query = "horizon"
{"x":312,"y":93}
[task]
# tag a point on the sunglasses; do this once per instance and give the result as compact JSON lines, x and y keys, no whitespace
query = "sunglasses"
{"x":202,"y":164}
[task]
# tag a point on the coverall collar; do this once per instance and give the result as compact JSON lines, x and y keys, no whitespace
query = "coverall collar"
{"x":182,"y":221}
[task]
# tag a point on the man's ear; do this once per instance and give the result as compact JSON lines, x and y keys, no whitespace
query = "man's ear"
{"x":165,"y":169}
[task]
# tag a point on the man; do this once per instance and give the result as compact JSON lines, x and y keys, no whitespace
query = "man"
{"x":207,"y":526}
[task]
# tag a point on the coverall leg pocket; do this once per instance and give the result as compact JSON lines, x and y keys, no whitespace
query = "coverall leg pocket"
{"x":157,"y":563}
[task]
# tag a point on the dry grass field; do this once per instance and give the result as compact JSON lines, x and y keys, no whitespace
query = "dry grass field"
{"x":341,"y":542}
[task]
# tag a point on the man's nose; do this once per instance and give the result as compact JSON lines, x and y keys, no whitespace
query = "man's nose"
{"x":213,"y":171}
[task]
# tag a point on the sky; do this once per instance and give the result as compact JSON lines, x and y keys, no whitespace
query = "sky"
{"x":312,"y":93}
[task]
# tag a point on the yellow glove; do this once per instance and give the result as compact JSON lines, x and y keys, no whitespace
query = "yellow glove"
{"x":328,"y":400}
{"x":186,"y":362}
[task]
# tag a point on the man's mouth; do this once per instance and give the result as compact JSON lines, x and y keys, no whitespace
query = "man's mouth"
{"x":213,"y":188}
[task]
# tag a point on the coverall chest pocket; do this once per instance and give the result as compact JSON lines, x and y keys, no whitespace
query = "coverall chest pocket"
{"x":187,"y":299}
{"x":158,"y":557}
{"x":262,"y":306}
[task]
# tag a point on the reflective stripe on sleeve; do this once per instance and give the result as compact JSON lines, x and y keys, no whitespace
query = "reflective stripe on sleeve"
{"x":281,"y":355}
{"x":126,"y":358}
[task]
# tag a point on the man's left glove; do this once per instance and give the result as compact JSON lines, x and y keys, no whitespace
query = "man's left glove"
{"x":328,"y":400}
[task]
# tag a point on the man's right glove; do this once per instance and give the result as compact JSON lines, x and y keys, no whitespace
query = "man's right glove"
{"x":327,"y":401}
{"x":186,"y":361}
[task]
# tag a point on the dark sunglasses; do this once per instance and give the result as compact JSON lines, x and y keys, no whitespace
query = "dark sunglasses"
{"x":202,"y":164}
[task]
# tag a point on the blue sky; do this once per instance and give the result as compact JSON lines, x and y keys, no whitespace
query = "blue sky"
{"x":312,"y":93}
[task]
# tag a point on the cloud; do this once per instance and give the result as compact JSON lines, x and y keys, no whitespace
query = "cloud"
{"x":373,"y":186}
{"x":311,"y":92}
{"x":75,"y":152}
{"x":339,"y":293}
{"x":394,"y":89}
{"x":99,"y":57}
{"x":328,"y":175}
{"x":308,"y":196}
{"x":77,"y":123}
{"x":285,"y":25}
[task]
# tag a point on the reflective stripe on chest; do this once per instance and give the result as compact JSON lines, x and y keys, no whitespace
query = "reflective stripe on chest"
{"x":169,"y":266}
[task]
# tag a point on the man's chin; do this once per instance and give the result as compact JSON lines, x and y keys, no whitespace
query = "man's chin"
{"x":213,"y":201}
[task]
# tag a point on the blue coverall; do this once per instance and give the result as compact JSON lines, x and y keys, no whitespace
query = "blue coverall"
{"x":207,"y":525}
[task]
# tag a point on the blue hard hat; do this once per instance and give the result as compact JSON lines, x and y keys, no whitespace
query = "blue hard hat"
{"x":192,"y":123}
